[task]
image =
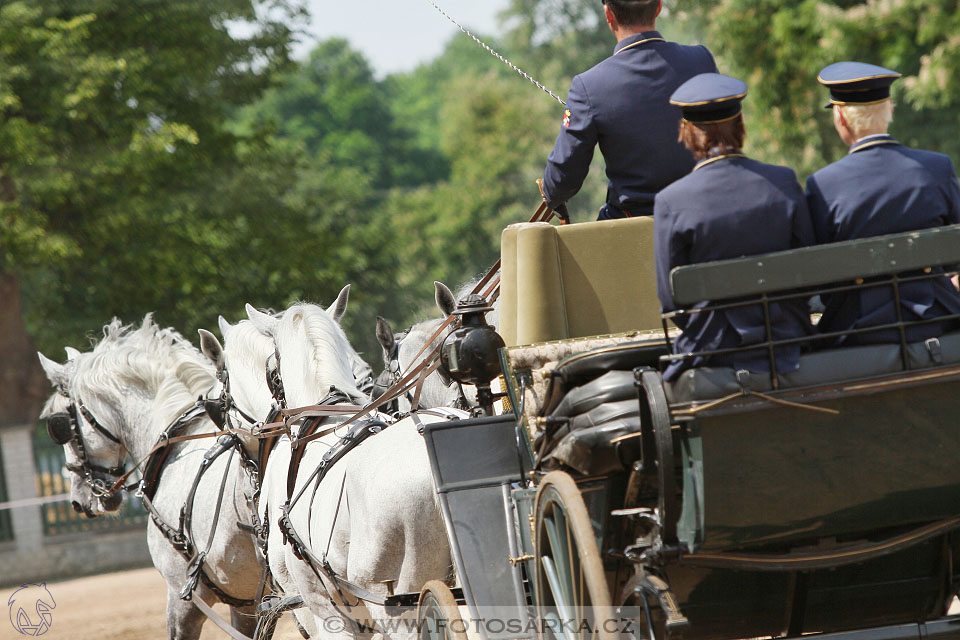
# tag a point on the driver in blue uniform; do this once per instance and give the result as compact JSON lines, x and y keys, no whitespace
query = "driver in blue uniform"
{"x":622,"y":105}
{"x":730,"y":206}
{"x":881,"y":186}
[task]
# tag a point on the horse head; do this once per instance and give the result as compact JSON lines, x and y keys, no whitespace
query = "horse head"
{"x":117,"y":399}
{"x":94,"y":458}
{"x":243,"y":363}
{"x":400,"y":353}
{"x":314,"y":352}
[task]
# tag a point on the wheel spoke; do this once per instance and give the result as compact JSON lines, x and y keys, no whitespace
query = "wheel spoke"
{"x":562,"y":604}
{"x":556,"y":525}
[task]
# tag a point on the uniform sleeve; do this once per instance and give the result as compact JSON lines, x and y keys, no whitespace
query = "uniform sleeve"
{"x":669,"y":249}
{"x":954,"y":196}
{"x":819,"y":213}
{"x":802,"y":230}
{"x":569,"y":161}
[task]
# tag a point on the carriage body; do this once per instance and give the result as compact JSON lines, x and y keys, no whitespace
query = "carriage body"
{"x":725,"y":505}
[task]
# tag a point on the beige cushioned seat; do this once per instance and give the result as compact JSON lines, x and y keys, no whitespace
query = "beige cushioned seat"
{"x":587,"y":279}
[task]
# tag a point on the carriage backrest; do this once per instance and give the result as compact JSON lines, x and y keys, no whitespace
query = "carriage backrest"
{"x":577,"y":280}
{"x":819,"y":265}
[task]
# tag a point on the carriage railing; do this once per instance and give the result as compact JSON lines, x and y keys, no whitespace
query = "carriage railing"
{"x":798,"y":275}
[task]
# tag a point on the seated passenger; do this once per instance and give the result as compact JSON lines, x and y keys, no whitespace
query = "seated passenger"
{"x":729,"y":206}
{"x":881,"y":186}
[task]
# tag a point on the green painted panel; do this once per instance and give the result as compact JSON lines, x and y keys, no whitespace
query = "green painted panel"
{"x":784,"y":475}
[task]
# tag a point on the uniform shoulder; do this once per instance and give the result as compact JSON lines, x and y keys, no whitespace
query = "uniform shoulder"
{"x":935,"y":161}
{"x":695,"y":52}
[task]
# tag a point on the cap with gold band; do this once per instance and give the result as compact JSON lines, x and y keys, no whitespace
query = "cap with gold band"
{"x":856,"y":83}
{"x":710,"y":98}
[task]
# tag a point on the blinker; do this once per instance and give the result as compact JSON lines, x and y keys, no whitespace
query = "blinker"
{"x":60,"y":427}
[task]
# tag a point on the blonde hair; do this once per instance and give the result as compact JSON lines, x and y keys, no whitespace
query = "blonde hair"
{"x":867,"y":119}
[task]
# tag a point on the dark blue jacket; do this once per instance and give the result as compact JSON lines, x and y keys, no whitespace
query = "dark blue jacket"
{"x":622,"y":104}
{"x":884,"y":187}
{"x":729,"y":207}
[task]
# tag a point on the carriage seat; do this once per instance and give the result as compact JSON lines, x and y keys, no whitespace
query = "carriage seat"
{"x":824,"y":367}
{"x":587,"y":279}
{"x":804,"y":270}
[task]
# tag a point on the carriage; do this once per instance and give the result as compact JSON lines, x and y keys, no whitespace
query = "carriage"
{"x":599,"y":500}
{"x":603,"y":501}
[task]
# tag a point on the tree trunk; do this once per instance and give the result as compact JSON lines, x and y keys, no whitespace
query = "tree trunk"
{"x":23,"y":385}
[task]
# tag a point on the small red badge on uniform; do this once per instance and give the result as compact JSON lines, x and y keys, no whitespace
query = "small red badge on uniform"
{"x":566,"y":118}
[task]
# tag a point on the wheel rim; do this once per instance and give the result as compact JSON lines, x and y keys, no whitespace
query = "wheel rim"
{"x":438,"y":614}
{"x":571,"y":585}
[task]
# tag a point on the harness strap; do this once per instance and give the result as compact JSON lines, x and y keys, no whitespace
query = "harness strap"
{"x":177,"y":538}
{"x":186,"y":513}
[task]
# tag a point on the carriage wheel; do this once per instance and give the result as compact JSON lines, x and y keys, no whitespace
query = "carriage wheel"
{"x":438,"y":614}
{"x":570,"y":581}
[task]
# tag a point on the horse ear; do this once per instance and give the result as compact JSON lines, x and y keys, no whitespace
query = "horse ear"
{"x":211,"y":348}
{"x":385,"y":336}
{"x":444,"y":298}
{"x":71,"y":353}
{"x":264,"y":322}
{"x":224,"y":326}
{"x":339,"y":307}
{"x":56,"y":372}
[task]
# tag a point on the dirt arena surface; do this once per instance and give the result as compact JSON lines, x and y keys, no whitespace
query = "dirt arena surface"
{"x":118,"y":606}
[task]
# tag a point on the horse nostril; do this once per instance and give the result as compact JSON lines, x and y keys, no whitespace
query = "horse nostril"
{"x":76,"y":506}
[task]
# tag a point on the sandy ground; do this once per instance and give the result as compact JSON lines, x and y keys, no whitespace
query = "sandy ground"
{"x":118,"y":606}
{"x":129,"y":606}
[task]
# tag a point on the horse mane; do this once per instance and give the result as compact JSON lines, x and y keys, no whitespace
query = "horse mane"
{"x":158,"y":362}
{"x":331,"y":353}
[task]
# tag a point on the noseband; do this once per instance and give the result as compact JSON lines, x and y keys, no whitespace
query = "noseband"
{"x":64,"y":428}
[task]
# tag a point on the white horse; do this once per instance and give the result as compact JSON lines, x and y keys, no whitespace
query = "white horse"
{"x":400,"y":353}
{"x":133,"y":385}
{"x":374,"y":517}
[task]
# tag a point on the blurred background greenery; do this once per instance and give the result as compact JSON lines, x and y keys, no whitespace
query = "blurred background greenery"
{"x":152,"y":159}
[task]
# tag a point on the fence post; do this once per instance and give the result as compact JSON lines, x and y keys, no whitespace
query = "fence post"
{"x":16,"y":446}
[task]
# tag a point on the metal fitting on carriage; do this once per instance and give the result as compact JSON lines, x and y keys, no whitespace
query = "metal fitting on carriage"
{"x":471,"y":353}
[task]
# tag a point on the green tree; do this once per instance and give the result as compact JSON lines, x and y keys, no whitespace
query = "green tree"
{"x":778,"y":47}
{"x":110,"y":129}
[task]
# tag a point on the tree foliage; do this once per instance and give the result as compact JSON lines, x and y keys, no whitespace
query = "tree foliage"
{"x":153,"y":158}
{"x":778,"y":47}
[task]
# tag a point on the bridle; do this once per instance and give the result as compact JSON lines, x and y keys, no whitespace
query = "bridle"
{"x":64,"y":428}
{"x":221,"y":408}
{"x":393,"y":373}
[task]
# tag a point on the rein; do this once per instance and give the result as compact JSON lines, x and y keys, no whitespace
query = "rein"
{"x":488,"y":286}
